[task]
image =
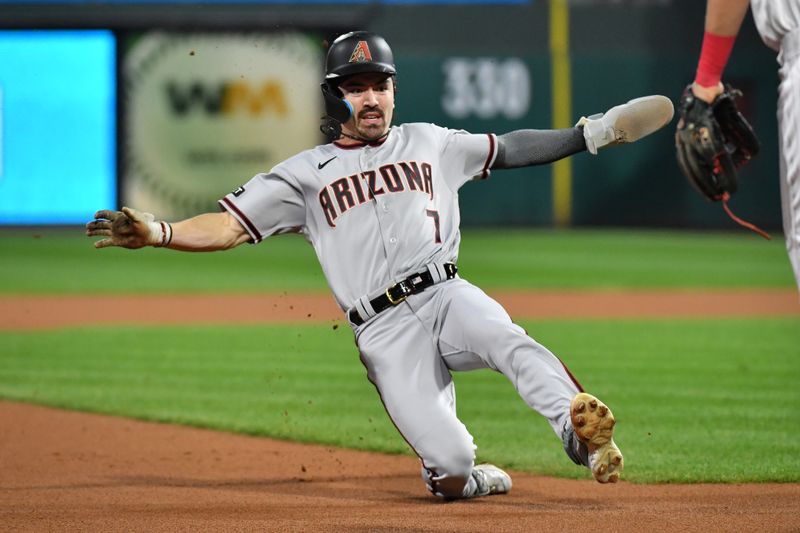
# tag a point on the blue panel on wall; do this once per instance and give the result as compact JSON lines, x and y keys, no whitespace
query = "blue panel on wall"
{"x":57,"y":125}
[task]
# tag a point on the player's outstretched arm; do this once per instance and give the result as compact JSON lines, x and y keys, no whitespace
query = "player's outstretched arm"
{"x":523,"y":148}
{"x":624,"y":123}
{"x":133,"y":229}
{"x":208,"y":232}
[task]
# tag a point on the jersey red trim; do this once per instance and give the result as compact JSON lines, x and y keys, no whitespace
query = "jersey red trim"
{"x":251,"y":228}
{"x":489,"y":158}
{"x":359,"y":144}
{"x":571,"y":376}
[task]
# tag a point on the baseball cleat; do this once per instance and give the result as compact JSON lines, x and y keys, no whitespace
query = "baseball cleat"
{"x":626,"y":123}
{"x":490,"y":480}
{"x":590,"y":439}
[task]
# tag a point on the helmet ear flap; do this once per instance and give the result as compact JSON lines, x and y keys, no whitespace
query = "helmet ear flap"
{"x":336,"y":106}
{"x":337,"y":111}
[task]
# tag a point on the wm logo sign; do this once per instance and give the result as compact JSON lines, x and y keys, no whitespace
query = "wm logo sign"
{"x":227,"y":98}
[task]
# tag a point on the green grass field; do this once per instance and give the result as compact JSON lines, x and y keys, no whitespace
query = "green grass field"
{"x":63,"y":261}
{"x":697,"y":400}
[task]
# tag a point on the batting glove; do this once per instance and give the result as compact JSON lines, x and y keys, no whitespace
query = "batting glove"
{"x":128,"y":228}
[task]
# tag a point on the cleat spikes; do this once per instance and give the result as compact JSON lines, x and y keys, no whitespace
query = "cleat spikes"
{"x":593,"y":428}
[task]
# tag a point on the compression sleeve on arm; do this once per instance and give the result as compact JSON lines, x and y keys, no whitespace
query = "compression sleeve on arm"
{"x":713,"y":57}
{"x":522,"y":148}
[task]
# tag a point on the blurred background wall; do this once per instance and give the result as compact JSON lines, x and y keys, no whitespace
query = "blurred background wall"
{"x":168,"y":106}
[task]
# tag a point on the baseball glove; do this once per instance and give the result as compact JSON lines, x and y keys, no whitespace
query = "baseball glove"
{"x":712,"y":141}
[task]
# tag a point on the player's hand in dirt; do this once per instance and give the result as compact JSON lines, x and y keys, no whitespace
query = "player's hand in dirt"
{"x":128,"y":228}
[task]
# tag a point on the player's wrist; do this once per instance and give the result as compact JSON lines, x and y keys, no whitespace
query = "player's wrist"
{"x":159,"y":233}
{"x":707,"y":94}
{"x":164,"y":233}
{"x":713,"y":57}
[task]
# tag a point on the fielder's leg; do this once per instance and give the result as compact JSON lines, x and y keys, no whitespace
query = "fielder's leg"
{"x":788,"y":125}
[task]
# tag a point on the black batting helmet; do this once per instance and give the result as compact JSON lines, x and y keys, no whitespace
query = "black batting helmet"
{"x":358,"y":52}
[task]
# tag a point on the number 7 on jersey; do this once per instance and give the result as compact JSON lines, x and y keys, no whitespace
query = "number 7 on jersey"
{"x":435,"y":216}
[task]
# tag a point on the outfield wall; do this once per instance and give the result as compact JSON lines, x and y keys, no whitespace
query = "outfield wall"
{"x":481,"y":67}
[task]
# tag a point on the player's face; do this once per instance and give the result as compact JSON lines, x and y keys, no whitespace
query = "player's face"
{"x":372,"y":98}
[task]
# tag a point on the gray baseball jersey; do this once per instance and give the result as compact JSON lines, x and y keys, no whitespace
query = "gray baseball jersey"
{"x":376,"y":213}
{"x":774,"y":19}
{"x":373,"y":213}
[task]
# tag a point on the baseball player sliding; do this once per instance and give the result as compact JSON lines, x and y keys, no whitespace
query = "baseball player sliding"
{"x":379,"y":204}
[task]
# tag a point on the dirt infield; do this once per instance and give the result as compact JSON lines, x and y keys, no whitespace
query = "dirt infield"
{"x":68,"y":471}
{"x":35,"y":312}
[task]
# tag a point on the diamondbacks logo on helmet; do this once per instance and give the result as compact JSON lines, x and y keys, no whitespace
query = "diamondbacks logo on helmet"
{"x":361,"y":53}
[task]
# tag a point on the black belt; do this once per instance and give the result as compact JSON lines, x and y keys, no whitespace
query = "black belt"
{"x":401,"y":290}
